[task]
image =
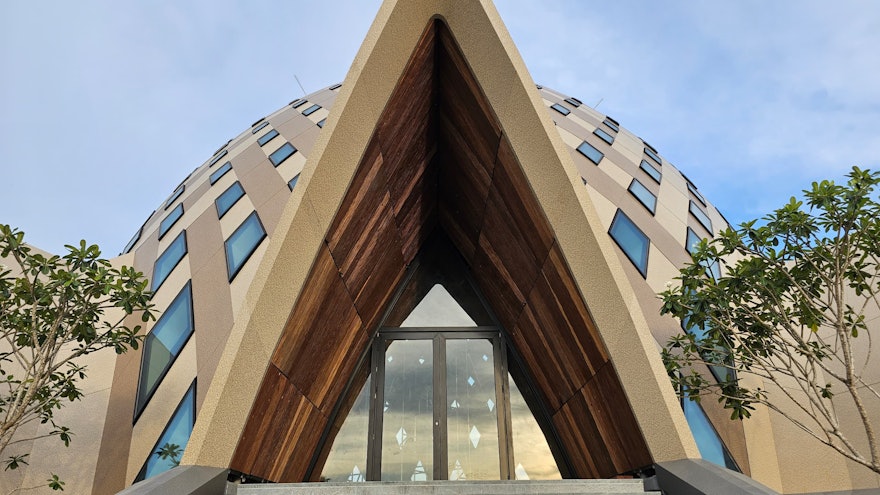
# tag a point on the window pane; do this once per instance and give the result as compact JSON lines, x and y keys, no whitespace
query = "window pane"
{"x":631,"y":240}
{"x":229,"y":197}
{"x":651,"y":171}
{"x":608,"y":138}
{"x":259,"y":127}
{"x":701,"y":217}
{"x":322,"y":122}
{"x":347,"y":460}
{"x":281,"y":154}
{"x":217,"y":158}
{"x":220,"y":172}
{"x":265,"y":138}
{"x":590,"y":152}
{"x":693,"y":189}
{"x":312,"y":109}
{"x":168,"y":260}
{"x":170,"y":220}
{"x":163,"y":343}
{"x":177,"y":432}
{"x":136,"y":237}
{"x":242,"y":243}
{"x":293,"y":182}
{"x":298,"y":103}
{"x":532,"y":457}
{"x":561,"y":109}
{"x":176,"y":194}
{"x":644,"y":196}
{"x":650,"y":152}
{"x":612,"y":124}
{"x":709,"y":443}
{"x":573,"y":102}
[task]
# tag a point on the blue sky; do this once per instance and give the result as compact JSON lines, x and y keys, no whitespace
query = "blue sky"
{"x":105,"y":106}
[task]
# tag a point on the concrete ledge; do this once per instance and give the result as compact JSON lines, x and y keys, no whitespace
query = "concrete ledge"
{"x":182,"y":480}
{"x":699,"y":477}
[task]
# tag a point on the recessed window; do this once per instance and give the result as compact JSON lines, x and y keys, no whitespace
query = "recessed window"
{"x":644,"y":196}
{"x":604,"y":136}
{"x":220,"y":172}
{"x":218,"y":157}
{"x":590,"y":152}
{"x":651,"y":171}
{"x":632,"y":241}
{"x":259,"y":127}
{"x":168,"y":260}
{"x":298,"y":103}
{"x":242,"y":244}
{"x":693,"y":189}
{"x":163,"y":344}
{"x":293,"y":182}
{"x":177,"y":432}
{"x":170,"y":220}
{"x":229,"y":197}
{"x":258,"y":122}
{"x":321,"y":123}
{"x":265,"y":138}
{"x":701,"y":217}
{"x":312,"y":109}
{"x":282,"y":153}
{"x":612,"y":124}
{"x":691,"y":242}
{"x":709,"y":443}
{"x":573,"y":102}
{"x":176,"y":194}
{"x":653,"y":155}
{"x":335,"y":86}
{"x":136,"y":237}
{"x":561,"y":109}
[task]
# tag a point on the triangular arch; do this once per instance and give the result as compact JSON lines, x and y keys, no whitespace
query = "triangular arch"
{"x":441,"y":153}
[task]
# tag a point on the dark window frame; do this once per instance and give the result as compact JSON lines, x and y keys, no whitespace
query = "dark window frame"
{"x":192,"y":388}
{"x":217,"y":158}
{"x":298,"y":103}
{"x":571,"y":100}
{"x":259,"y":127}
{"x":312,"y":109}
{"x":229,"y":270}
{"x":266,"y":138}
{"x":154,"y":288}
{"x":653,"y":155}
{"x":233,"y":203}
{"x":647,"y":168}
{"x":693,"y":190}
{"x":587,"y":155}
{"x":561,"y":109}
{"x":174,"y":195}
{"x":604,"y":136}
{"x":643,"y":271}
{"x":219,"y":173}
{"x":293,"y":181}
{"x":701,"y":216}
{"x":163,"y":228}
{"x":273,"y":156}
{"x":651,"y":208}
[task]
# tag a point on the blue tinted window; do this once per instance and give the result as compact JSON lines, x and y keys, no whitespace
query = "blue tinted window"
{"x":298,"y":103}
{"x":259,"y":127}
{"x":242,"y":243}
{"x":692,"y":240}
{"x":218,"y":157}
{"x":168,"y":260}
{"x":590,"y":152}
{"x":653,"y":155}
{"x":651,"y":171}
{"x":163,"y":344}
{"x":229,"y":197}
{"x":701,"y":216}
{"x":608,"y":138}
{"x":644,"y":196}
{"x":561,"y":109}
{"x":335,"y":86}
{"x":176,"y":194}
{"x":322,"y":122}
{"x":693,"y":189}
{"x":220,"y":172}
{"x":281,"y":154}
{"x":612,"y":124}
{"x":293,"y":182}
{"x":709,"y":443}
{"x":170,"y":220}
{"x":631,"y":240}
{"x":573,"y":102}
{"x":265,"y":138}
{"x":177,"y":432}
{"x":312,"y":109}
{"x":136,"y":237}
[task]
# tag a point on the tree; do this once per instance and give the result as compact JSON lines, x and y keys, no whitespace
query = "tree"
{"x":788,"y":309}
{"x":53,"y":310}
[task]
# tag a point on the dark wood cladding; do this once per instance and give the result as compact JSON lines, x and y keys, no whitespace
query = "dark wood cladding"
{"x":438,"y":157}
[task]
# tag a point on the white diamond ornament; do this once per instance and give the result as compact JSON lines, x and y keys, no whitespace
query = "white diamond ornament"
{"x":401,"y":437}
{"x":491,"y":404}
{"x":471,"y":381}
{"x":474,"y":436}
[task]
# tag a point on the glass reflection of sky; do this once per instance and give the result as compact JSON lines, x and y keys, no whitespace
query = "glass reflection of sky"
{"x":531,"y":454}
{"x":347,"y":460}
{"x":438,"y":309}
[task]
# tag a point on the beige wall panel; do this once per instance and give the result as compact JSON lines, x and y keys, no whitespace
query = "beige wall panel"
{"x":305,"y":140}
{"x":239,"y":286}
{"x":273,"y":144}
{"x":582,"y":121}
{"x":270,"y":212}
{"x":568,"y":137}
{"x":295,"y":126}
{"x":172,"y":285}
{"x":213,"y":316}
{"x":291,"y":167}
{"x":237,"y":214}
{"x":320,"y":114}
{"x":263,"y":183}
{"x":613,"y":170}
{"x":247,"y":159}
{"x":604,"y":208}
{"x":661,"y":271}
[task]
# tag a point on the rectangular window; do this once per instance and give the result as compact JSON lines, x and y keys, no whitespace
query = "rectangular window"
{"x":293,"y":182}
{"x":632,"y":241}
{"x":177,"y":432}
{"x":312,"y":109}
{"x":612,"y":124}
{"x":321,"y":123}
{"x":163,"y":344}
{"x":604,"y":136}
{"x":644,"y":196}
{"x":265,"y":138}
{"x":168,"y":260}
{"x":691,"y":242}
{"x":653,"y":155}
{"x":693,"y":189}
{"x":176,"y":194}
{"x":298,"y":103}
{"x":242,"y":244}
{"x":136,"y":237}
{"x":259,"y":127}
{"x":701,"y":217}
{"x":170,"y":220}
{"x":283,"y":153}
{"x":561,"y":109}
{"x":590,"y":152}
{"x":220,"y":172}
{"x":218,"y":157}
{"x":335,"y":86}
{"x":651,"y":171}
{"x":228,"y":199}
{"x":573,"y":102}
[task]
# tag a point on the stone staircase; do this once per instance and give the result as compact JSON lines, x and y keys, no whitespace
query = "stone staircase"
{"x":560,"y":487}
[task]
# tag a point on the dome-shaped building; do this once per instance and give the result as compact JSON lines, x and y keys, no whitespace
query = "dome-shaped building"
{"x":435,"y":270}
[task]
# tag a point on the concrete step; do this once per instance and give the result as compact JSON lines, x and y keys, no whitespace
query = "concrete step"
{"x":559,"y":487}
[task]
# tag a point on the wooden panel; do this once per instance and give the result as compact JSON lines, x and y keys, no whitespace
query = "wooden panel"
{"x":323,"y":338}
{"x":282,"y":432}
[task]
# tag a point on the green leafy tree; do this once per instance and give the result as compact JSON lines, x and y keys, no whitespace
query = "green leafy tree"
{"x":790,"y":308}
{"x":54,"y":310}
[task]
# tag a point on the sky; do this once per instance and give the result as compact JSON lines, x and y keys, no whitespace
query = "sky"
{"x":106,"y":106}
